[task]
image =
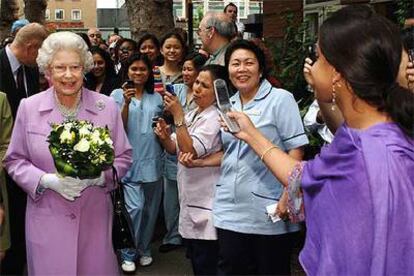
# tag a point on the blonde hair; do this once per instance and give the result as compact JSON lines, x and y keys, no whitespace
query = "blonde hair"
{"x":30,"y":32}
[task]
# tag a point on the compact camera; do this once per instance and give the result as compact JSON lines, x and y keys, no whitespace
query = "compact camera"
{"x":312,"y":52}
{"x":129,"y":84}
{"x":166,"y":116}
{"x":170,"y":89}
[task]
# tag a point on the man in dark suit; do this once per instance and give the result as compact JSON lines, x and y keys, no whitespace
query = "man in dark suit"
{"x":19,"y":78}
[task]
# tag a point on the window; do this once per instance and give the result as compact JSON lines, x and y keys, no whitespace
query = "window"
{"x":47,"y":14}
{"x":76,"y":15}
{"x":59,"y":14}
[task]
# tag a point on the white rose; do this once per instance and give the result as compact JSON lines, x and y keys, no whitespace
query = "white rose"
{"x":82,"y":146}
{"x":109,"y":141}
{"x":84,"y":131}
{"x":65,"y":136}
{"x":96,"y":139}
{"x":68,"y":126}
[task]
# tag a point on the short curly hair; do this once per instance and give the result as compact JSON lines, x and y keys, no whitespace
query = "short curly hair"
{"x":63,"y":41}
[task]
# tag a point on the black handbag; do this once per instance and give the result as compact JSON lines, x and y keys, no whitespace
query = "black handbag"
{"x":122,"y":236}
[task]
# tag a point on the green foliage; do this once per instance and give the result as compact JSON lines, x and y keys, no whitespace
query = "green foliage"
{"x":403,"y":6}
{"x":198,"y":16}
{"x":289,"y":54}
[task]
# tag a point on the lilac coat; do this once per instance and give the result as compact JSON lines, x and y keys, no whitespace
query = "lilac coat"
{"x":64,"y":237}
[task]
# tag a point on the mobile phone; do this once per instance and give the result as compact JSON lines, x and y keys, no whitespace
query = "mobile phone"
{"x":411,"y":55}
{"x":224,"y":105}
{"x":129,"y":84}
{"x":312,"y":52}
{"x":170,"y":89}
{"x":154,"y":121}
{"x":168,"y":117}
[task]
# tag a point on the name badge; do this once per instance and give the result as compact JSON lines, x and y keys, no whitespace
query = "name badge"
{"x":253,"y":112}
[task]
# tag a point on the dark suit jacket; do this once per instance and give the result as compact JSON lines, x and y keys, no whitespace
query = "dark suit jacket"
{"x":15,"y":259}
{"x":8,"y":85}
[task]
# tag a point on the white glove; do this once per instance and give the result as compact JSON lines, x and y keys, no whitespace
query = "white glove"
{"x":99,"y":181}
{"x":68,"y":187}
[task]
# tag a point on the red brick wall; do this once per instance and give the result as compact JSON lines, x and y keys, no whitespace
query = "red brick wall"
{"x":64,"y":25}
{"x":273,"y":11}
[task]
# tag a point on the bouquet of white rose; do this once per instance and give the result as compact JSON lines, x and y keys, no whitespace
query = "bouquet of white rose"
{"x":79,"y":149}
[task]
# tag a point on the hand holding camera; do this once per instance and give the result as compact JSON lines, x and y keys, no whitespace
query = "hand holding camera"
{"x":312,"y":53}
{"x":307,"y":67}
{"x":161,"y":129}
{"x":173,"y":105}
{"x":129,"y":90}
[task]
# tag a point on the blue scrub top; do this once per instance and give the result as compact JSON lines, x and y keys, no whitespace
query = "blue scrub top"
{"x":246,"y":186}
{"x":147,"y":151}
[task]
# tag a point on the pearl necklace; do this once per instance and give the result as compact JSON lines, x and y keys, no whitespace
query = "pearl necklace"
{"x":69,"y":113}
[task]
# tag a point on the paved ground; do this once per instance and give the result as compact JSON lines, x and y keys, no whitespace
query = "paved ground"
{"x":175,"y":262}
{"x":171,"y":263}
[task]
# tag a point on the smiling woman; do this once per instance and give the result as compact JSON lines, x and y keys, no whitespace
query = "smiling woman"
{"x":68,"y":220}
{"x":142,"y":186}
{"x":102,"y":77}
{"x":173,"y":50}
{"x":246,"y":187}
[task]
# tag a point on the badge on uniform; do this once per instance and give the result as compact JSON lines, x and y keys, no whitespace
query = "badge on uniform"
{"x":253,"y":112}
{"x":100,"y":104}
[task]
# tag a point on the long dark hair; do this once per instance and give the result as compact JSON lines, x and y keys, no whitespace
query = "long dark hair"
{"x":177,"y":35}
{"x":110,"y":75}
{"x":120,"y":42}
{"x":250,"y":46}
{"x":85,"y":38}
{"x":365,"y":48}
{"x":197,"y":59}
{"x":148,"y":36}
{"x":216,"y":71}
{"x":149,"y":85}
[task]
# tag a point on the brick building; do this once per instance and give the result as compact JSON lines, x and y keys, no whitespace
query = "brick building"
{"x":313,"y":11}
{"x":71,"y":14}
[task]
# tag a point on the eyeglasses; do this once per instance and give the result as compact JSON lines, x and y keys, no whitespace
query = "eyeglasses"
{"x":126,"y":50}
{"x":95,"y":35}
{"x":60,"y":69}
{"x":199,"y":31}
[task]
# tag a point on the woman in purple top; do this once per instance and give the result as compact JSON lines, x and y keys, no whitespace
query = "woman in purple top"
{"x":358,"y":193}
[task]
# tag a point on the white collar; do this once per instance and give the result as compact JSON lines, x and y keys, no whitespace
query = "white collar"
{"x":14,"y":62}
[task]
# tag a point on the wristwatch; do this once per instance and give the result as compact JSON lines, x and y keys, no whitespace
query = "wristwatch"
{"x":179,"y":123}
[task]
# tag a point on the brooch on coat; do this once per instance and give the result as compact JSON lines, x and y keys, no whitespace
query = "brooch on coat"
{"x":100,"y":104}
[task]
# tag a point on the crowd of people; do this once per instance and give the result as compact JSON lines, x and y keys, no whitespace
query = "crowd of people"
{"x":235,"y":200}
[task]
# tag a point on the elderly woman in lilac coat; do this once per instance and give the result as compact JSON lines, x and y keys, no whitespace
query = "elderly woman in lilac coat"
{"x":68,"y":221}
